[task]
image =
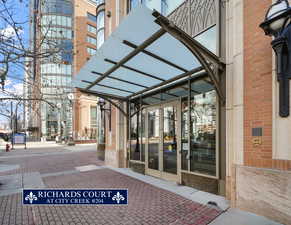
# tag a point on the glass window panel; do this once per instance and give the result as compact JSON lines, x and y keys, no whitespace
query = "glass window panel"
{"x":170,"y":131}
{"x":153,"y":4}
{"x":134,"y":135}
{"x":134,"y":3}
{"x":184,"y":135}
{"x":203,"y":133}
{"x":169,"y":6}
{"x":100,"y":38}
{"x":100,"y":19}
{"x":92,"y":29}
{"x":153,"y":138}
{"x":91,"y":51}
{"x":208,"y":39}
{"x":91,"y":17}
{"x":69,"y":21}
{"x":64,"y":21}
{"x":93,"y":116}
{"x":91,"y":40}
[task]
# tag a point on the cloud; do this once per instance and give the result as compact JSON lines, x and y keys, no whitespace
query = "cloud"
{"x":10,"y":32}
{"x":17,"y":89}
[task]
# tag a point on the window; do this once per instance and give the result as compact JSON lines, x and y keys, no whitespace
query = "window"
{"x":55,"y":20}
{"x":100,"y":28}
{"x":163,"y":6}
{"x":91,"y":29}
{"x":91,"y":40}
{"x":137,"y":135}
{"x":203,"y":130}
{"x":134,"y":3}
{"x":91,"y":17}
{"x":57,"y":32}
{"x":91,"y":51}
{"x":208,"y":39}
{"x":100,"y":38}
{"x":57,"y":7}
{"x":169,"y":6}
{"x":51,"y":68}
{"x":93,"y":116}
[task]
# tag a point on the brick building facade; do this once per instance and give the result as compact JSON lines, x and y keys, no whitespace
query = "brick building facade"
{"x":247,"y":157}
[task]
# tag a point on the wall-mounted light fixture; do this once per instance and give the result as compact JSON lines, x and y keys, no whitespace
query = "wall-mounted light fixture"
{"x":277,"y":24}
{"x":101,"y":103}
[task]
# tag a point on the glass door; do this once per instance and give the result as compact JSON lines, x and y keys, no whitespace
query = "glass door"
{"x":154,"y":138}
{"x":163,"y":141}
{"x":170,"y":139}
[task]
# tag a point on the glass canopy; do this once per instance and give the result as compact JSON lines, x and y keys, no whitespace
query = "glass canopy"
{"x":139,"y":56}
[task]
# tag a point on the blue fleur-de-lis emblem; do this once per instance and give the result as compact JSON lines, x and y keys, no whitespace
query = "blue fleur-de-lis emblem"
{"x":118,"y":197}
{"x":31,"y":197}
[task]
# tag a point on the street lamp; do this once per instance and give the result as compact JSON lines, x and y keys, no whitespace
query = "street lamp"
{"x":277,"y":24}
{"x":59,"y":139}
{"x":71,"y":98}
{"x":101,"y":103}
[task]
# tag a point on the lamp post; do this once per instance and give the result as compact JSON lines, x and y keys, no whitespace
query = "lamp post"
{"x":101,"y":103}
{"x":277,"y":24}
{"x":71,"y":136}
{"x":59,"y":139}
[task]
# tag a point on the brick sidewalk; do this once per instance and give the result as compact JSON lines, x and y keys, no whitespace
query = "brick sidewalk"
{"x":147,"y":204}
{"x":56,"y":162}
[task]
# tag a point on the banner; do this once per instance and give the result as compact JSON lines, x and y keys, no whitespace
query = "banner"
{"x":75,"y":196}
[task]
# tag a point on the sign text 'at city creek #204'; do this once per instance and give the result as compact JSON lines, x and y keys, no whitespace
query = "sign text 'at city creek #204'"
{"x":78,"y":196}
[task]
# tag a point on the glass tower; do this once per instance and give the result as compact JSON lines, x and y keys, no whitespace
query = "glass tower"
{"x":56,"y":30}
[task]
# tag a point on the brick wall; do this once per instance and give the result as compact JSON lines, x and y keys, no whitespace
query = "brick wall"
{"x":81,"y":56}
{"x":258,"y":88}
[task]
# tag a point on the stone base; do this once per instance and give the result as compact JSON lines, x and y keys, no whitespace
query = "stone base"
{"x":201,"y":183}
{"x":137,"y":167}
{"x":265,"y":192}
{"x":101,"y":152}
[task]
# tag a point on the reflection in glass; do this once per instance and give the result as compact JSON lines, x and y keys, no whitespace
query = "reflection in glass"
{"x":134,"y":3}
{"x":184,"y":135}
{"x":142,"y":134}
{"x":208,"y":39}
{"x":100,"y":28}
{"x":170,"y":139}
{"x":134,"y":139}
{"x":153,"y":138}
{"x":203,"y":133}
{"x":169,"y":6}
{"x":137,"y":135}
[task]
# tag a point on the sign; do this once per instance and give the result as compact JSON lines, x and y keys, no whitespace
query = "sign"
{"x":75,"y":196}
{"x":19,"y":138}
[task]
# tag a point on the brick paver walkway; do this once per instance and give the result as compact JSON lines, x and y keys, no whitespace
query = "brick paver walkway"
{"x":147,"y":204}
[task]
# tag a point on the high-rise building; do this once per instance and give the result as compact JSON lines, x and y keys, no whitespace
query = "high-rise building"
{"x":56,"y":36}
{"x":88,"y":37}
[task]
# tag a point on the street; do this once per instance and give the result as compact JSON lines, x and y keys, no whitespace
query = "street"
{"x":78,"y":167}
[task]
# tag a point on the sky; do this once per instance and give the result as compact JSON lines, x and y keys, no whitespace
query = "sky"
{"x":19,"y":12}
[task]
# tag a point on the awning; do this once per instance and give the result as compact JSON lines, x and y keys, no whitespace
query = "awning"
{"x":145,"y":52}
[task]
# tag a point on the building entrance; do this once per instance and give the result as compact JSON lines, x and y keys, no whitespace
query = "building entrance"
{"x":163,"y":141}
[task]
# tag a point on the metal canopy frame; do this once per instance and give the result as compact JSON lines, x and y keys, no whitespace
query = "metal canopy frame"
{"x":209,"y":61}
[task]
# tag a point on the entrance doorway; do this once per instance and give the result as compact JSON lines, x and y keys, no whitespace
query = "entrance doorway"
{"x":163,"y":141}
